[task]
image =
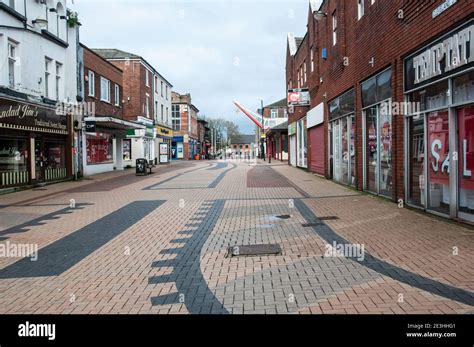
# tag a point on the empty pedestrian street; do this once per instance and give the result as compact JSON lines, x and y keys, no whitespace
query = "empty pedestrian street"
{"x":227,"y":237}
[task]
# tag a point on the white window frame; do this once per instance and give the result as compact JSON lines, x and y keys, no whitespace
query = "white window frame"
{"x":147,"y":77}
{"x":91,"y":87}
{"x":162,"y":84}
{"x":58,"y":69}
{"x":304,"y":70}
{"x":312,"y":59}
{"x":334,"y":28}
{"x":102,"y":98}
{"x":117,"y":95}
{"x":12,"y":62}
{"x":47,"y":75}
{"x":167,"y":92}
{"x":273,"y":113}
{"x":360,"y":8}
{"x":147,"y":105}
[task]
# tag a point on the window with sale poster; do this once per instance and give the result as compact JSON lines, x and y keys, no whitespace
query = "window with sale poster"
{"x":99,"y":149}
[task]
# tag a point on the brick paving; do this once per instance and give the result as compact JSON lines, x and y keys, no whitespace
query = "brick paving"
{"x":158,"y":245}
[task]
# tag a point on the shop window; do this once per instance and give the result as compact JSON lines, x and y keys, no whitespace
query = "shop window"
{"x":466,"y":160}
{"x":438,"y":146}
{"x":377,"y":89}
{"x":13,"y":155}
{"x":99,"y":149}
{"x":416,"y":159}
{"x":432,"y":97}
{"x":127,"y":149}
{"x":464,"y":88}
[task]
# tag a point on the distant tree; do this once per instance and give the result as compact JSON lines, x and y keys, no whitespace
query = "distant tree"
{"x":225,"y":129}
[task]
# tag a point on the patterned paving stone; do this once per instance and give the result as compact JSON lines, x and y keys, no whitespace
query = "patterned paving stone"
{"x":157,"y":245}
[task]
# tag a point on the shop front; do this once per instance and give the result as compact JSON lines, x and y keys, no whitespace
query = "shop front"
{"x":439,"y":129}
{"x":142,"y":142}
{"x":292,"y":140}
{"x":377,"y":134}
{"x":177,"y":148}
{"x":105,"y":145}
{"x":35,"y":145}
{"x":164,"y":135}
{"x":315,"y":122}
{"x":342,"y":139}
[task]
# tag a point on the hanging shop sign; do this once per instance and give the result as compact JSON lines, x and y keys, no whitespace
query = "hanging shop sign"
{"x":298,"y":97}
{"x":31,"y":117}
{"x":446,"y":55}
{"x":90,"y":127}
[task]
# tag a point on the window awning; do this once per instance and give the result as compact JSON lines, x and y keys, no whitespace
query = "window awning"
{"x":114,"y":123}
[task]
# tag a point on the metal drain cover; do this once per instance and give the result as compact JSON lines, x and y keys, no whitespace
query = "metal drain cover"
{"x":254,"y":250}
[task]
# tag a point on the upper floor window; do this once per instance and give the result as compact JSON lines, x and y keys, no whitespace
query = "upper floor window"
{"x":12,"y":47}
{"x":162,"y":89}
{"x":47,"y":75}
{"x":360,"y":8}
{"x":312,"y":59}
{"x":147,"y":77}
{"x":104,"y":89}
{"x":91,"y":78}
{"x":167,"y":93}
{"x":175,"y":117}
{"x":117,"y":95}
{"x":274,"y":113}
{"x":147,"y":106}
{"x":11,"y":3}
{"x":334,"y":28}
{"x":59,"y":67}
{"x":304,"y":71}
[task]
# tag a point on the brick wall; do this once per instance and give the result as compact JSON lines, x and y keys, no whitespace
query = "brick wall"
{"x":102,"y":68}
{"x":379,"y":34}
{"x":135,"y":89}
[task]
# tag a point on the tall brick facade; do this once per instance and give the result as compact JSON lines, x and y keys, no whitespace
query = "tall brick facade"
{"x":381,"y":39}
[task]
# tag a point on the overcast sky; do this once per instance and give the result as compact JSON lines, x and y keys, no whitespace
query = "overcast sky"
{"x":217,"y":50}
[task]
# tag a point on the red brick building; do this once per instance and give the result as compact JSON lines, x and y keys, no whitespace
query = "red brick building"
{"x":184,"y":115}
{"x":391,"y":89}
{"x":104,"y":146}
{"x":147,"y":100}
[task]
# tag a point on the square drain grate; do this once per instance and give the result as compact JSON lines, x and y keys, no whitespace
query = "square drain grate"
{"x":254,"y":250}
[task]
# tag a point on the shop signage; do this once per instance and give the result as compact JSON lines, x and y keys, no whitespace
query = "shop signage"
{"x":90,"y":127}
{"x":163,"y":153}
{"x":298,"y":97}
{"x":30,"y":117}
{"x":443,"y":7}
{"x":164,"y":132}
{"x":444,"y":56}
{"x":292,"y":129}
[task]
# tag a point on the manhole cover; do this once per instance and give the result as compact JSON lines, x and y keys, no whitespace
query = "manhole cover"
{"x":253,"y":250}
{"x":328,"y":218}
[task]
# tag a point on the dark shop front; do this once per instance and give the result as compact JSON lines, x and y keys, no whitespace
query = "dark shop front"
{"x":33,"y":144}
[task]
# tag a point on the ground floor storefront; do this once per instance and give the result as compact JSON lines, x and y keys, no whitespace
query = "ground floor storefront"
{"x":105,"y":146}
{"x":277,"y":142}
{"x":413,"y":144}
{"x":141,"y":144}
{"x":35,"y":144}
{"x":163,"y":144}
